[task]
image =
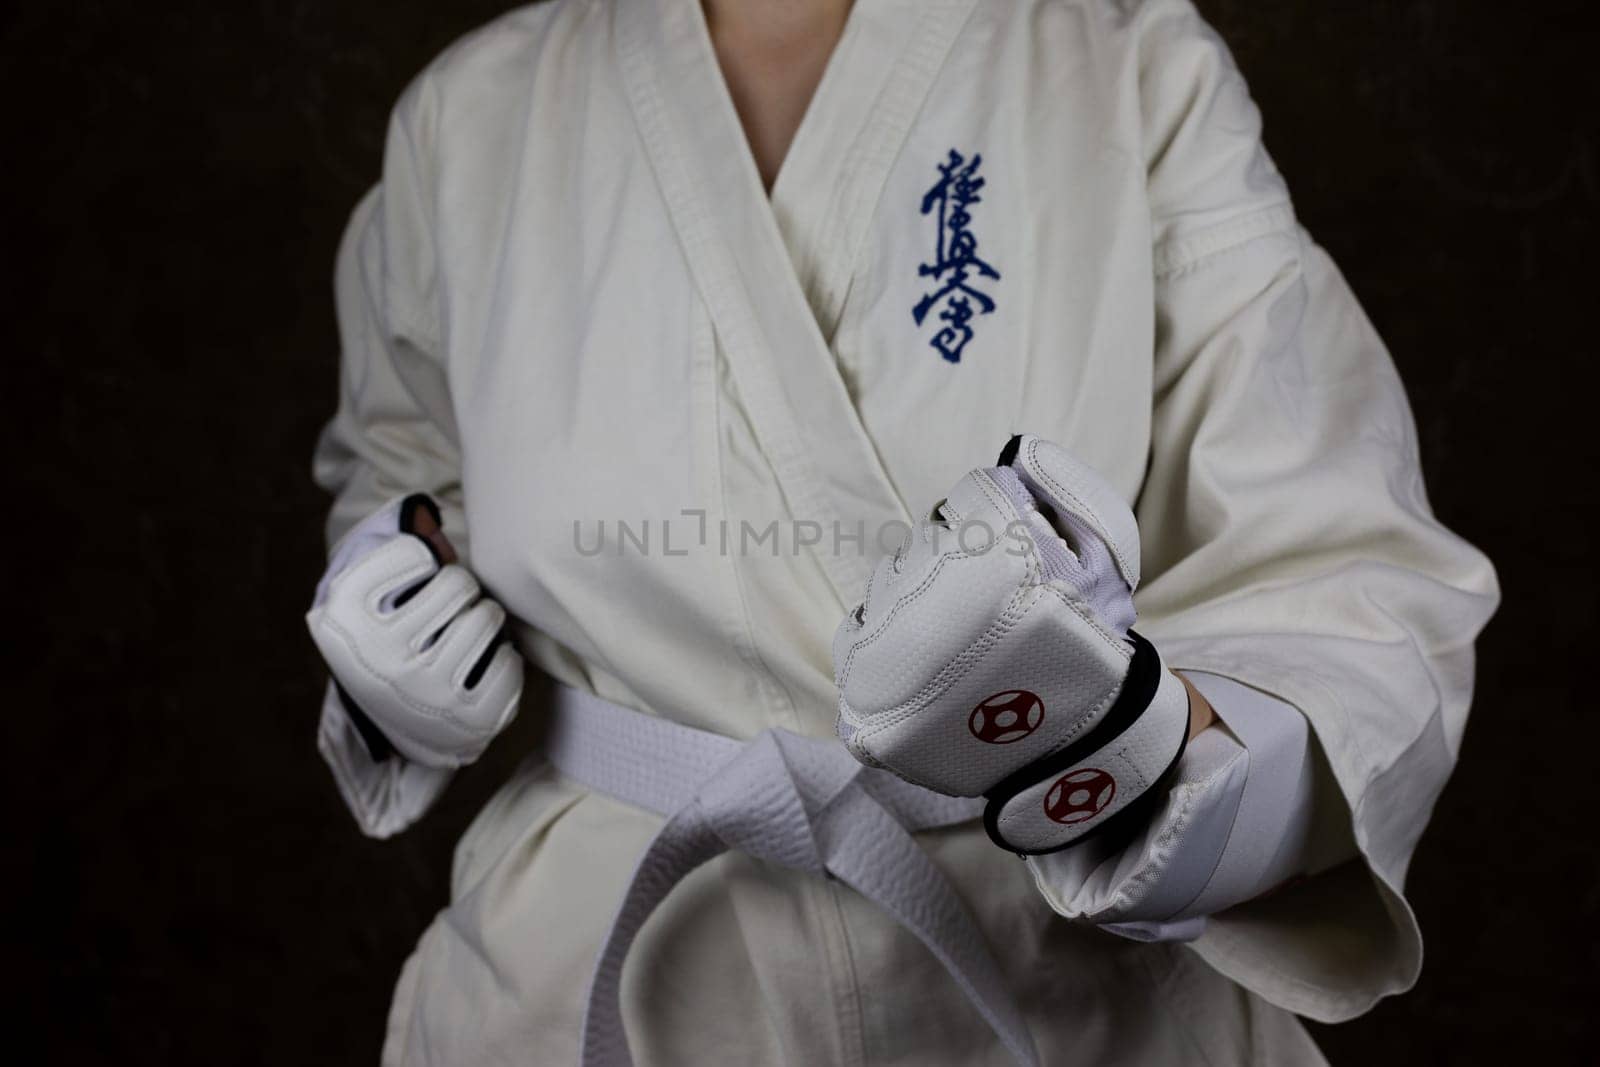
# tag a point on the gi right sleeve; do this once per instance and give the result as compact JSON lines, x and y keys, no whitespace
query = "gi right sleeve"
{"x":394,"y":431}
{"x":1288,"y":542}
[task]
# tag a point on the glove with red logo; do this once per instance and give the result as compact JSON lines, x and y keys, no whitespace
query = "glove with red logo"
{"x":993,"y":656}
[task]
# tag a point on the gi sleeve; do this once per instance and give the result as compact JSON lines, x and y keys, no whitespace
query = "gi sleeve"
{"x":1288,"y":543}
{"x":394,"y":430}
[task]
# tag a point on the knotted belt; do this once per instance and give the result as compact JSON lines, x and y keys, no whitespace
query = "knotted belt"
{"x":795,"y":801}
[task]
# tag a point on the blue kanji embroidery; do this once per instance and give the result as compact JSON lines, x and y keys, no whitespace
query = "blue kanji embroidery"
{"x":955,"y":260}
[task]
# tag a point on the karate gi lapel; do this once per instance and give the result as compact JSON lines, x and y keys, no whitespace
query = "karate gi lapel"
{"x":787,"y":376}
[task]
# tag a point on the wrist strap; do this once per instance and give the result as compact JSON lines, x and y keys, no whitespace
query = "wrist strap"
{"x":1108,"y":778}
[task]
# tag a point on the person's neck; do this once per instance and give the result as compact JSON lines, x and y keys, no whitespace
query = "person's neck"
{"x":772,"y":54}
{"x":776,"y":25}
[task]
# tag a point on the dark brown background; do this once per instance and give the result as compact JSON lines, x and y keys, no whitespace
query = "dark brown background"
{"x":185,"y":885}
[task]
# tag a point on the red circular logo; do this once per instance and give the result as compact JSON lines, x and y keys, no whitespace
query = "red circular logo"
{"x":1081,"y":795}
{"x":1006,"y":717}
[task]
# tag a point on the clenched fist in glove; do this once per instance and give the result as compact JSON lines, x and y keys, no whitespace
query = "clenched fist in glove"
{"x":993,"y":656}
{"x":414,"y":646}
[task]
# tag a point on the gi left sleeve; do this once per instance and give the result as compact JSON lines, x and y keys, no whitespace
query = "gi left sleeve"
{"x":394,"y":431}
{"x":1288,"y":542}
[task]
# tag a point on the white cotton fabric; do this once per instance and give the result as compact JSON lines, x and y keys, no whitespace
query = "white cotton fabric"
{"x":571,"y":301}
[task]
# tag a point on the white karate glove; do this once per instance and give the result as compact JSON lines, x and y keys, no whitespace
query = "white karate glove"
{"x":993,"y":656}
{"x":415,"y":648}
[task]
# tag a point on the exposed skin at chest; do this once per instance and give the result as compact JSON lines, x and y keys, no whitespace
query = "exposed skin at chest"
{"x":772,"y":54}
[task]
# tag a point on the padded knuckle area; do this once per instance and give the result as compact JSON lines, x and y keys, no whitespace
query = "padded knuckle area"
{"x":902,"y":649}
{"x":1032,"y":684}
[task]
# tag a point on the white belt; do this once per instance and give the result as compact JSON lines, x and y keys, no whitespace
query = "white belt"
{"x":794,"y":801}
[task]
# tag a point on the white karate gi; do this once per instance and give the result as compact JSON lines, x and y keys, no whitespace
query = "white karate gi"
{"x":570,"y":300}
